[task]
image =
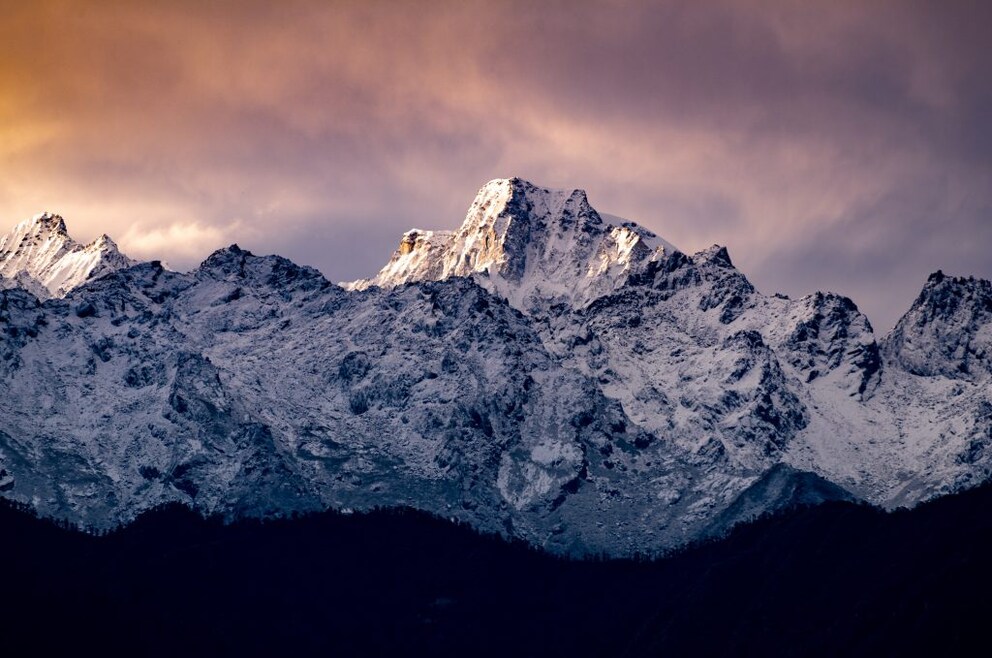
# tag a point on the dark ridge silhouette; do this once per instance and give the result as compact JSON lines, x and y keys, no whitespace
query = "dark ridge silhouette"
{"x":836,"y":579}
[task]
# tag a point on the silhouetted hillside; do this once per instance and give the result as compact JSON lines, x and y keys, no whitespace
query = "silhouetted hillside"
{"x":838,"y":579}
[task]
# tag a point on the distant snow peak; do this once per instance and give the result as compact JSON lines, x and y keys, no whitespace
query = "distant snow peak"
{"x":947,"y":331}
{"x":531,"y":244}
{"x":39,"y":255}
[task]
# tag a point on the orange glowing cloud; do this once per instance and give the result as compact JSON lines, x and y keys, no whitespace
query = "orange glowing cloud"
{"x":831,"y":145}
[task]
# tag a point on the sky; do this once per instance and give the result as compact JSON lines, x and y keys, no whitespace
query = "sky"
{"x":843,"y":146}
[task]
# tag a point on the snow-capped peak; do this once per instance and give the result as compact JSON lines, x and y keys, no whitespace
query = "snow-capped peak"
{"x":532,"y":243}
{"x":40,"y":255}
{"x":716,"y":254}
{"x":947,"y":331}
{"x":45,"y":223}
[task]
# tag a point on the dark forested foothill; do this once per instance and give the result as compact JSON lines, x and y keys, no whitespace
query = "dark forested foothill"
{"x":838,"y":579}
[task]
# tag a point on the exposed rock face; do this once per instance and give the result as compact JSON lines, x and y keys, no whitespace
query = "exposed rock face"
{"x":830,"y":334}
{"x":540,"y":372}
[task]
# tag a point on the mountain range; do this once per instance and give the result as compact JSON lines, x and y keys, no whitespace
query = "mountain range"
{"x":545,"y":371}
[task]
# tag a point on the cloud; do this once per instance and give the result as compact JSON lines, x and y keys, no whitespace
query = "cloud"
{"x":809,"y":137}
{"x":186,"y":240}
